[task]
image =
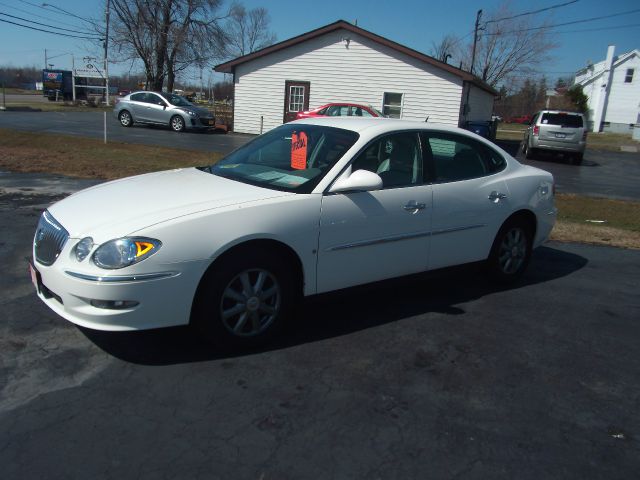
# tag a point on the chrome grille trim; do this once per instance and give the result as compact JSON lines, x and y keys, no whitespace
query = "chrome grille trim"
{"x":49,"y":240}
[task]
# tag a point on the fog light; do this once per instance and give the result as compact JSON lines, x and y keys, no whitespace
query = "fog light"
{"x":114,"y":304}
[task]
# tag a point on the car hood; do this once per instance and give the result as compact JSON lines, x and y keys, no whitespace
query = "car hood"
{"x":121,"y":207}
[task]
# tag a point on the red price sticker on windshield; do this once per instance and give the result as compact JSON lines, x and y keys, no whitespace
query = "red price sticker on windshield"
{"x":299,"y":151}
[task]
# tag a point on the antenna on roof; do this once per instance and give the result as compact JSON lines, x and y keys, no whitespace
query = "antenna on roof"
{"x":426,"y":119}
{"x":356,"y":22}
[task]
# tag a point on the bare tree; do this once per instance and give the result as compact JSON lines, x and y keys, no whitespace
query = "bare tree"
{"x":167,"y":35}
{"x":447,"y":47}
{"x":509,"y":44}
{"x":247,"y":30}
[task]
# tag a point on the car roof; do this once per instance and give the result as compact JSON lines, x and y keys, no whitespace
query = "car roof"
{"x":563,"y":112}
{"x":380,"y":124}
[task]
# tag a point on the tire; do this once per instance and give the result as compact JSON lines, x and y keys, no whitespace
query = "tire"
{"x":232,"y":318}
{"x":177,"y":123}
{"x":577,"y":158}
{"x":529,"y":152}
{"x":511,"y":251}
{"x":125,"y":118}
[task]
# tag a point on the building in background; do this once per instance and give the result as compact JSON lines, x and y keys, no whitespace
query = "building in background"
{"x":341,"y":62}
{"x":613,"y":88}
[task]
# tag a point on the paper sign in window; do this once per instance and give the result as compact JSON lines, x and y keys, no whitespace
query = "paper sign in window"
{"x":299,"y":151}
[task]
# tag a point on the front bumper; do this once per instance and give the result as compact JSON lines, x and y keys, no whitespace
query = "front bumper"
{"x":162,"y":297}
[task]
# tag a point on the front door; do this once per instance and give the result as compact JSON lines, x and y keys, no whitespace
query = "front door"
{"x":370,"y":236}
{"x":296,"y":98}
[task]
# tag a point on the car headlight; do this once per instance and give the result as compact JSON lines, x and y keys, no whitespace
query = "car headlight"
{"x":83,"y":248}
{"x":122,"y":252}
{"x":192,"y":113}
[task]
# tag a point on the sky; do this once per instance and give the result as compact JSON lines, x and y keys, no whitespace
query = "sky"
{"x":414,"y":23}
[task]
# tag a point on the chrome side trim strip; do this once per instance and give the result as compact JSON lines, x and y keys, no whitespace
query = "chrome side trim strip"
{"x":366,"y":243}
{"x":121,"y":278}
{"x":458,"y":229}
{"x":398,"y":238}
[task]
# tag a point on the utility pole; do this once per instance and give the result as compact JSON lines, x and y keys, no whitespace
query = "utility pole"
{"x":46,"y":60}
{"x":106,"y":53}
{"x":475,"y":40}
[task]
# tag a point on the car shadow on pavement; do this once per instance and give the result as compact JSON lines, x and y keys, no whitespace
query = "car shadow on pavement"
{"x":343,"y":312}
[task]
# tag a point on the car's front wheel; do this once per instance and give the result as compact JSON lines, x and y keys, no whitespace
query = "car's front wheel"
{"x":243,"y":300}
{"x":177,"y":123}
{"x":511,"y":251}
{"x":125,"y":118}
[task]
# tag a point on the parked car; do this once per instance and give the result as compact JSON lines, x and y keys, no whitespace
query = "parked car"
{"x":556,"y":131}
{"x":309,"y":207}
{"x":341,"y":110}
{"x":520,"y":119}
{"x":159,"y":108}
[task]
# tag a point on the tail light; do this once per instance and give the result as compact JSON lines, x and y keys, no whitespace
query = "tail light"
{"x":536,"y":130}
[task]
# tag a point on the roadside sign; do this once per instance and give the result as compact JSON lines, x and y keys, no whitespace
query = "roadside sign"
{"x":89,"y":72}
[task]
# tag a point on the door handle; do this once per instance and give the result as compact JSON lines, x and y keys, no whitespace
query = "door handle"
{"x":495,"y":197}
{"x":413,"y":206}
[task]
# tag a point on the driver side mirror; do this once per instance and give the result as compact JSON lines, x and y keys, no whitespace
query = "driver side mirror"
{"x":358,"y":181}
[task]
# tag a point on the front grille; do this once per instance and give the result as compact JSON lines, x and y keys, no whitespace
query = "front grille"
{"x":49,"y":240}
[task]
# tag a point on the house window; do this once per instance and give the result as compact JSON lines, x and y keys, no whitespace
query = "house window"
{"x":296,"y":99}
{"x":392,"y":105}
{"x":629,"y":76}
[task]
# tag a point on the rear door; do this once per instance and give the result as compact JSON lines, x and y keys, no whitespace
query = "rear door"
{"x":296,"y":98}
{"x":561,"y":127}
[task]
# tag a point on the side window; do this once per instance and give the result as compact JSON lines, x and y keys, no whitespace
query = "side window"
{"x":138,"y":97}
{"x":365,"y":113}
{"x":396,"y":158}
{"x":338,"y":111}
{"x":154,"y":99}
{"x":458,"y":158}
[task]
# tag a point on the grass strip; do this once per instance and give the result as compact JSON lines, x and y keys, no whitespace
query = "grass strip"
{"x":90,"y":158}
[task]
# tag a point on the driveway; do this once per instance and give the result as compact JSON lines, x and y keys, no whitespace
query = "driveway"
{"x":427,"y":376}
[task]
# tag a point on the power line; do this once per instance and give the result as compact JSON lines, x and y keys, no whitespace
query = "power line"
{"x":615,"y":27}
{"x":44,"y":24}
{"x":6,"y":5}
{"x":44,"y":7}
{"x":592,"y":19}
{"x":49,"y":31}
{"x":533,"y":12}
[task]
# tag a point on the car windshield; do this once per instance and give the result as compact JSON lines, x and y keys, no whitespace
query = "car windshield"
{"x":177,"y":100}
{"x":377,"y":112}
{"x":562,"y":120}
{"x":293,"y":157}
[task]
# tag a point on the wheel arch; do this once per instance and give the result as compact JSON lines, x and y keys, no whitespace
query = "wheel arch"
{"x":265,"y":246}
{"x":527,"y":217}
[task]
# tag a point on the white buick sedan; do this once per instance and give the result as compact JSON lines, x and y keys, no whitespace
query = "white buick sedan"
{"x":309,"y":207}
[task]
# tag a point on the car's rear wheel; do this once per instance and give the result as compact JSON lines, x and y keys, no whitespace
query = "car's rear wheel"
{"x":125,"y":118}
{"x":577,"y":158}
{"x":177,"y":123}
{"x":529,"y":153}
{"x":243,"y":300}
{"x":511,"y":251}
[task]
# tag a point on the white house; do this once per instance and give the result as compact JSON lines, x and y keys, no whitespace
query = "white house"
{"x":613,"y":88}
{"x":341,"y":62}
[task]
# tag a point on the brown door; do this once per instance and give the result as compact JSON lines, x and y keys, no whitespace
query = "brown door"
{"x":296,"y":98}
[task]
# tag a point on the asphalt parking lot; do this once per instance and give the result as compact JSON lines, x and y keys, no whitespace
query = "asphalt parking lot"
{"x":429,"y":376}
{"x":605,"y":174}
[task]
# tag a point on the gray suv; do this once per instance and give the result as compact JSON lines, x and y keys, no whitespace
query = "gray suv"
{"x":556,"y":131}
{"x":159,"y":108}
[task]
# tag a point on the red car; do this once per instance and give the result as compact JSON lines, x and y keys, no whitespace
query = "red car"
{"x":525,"y":119}
{"x":341,"y":110}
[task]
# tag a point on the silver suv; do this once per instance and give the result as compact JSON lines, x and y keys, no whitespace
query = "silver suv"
{"x":161,"y":108}
{"x":556,"y":131}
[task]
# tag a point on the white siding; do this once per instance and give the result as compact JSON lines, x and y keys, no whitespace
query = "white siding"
{"x":480,"y":104}
{"x":624,"y":98}
{"x":359,"y":73}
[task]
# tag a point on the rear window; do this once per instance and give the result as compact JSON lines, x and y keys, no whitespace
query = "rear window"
{"x":562,"y":120}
